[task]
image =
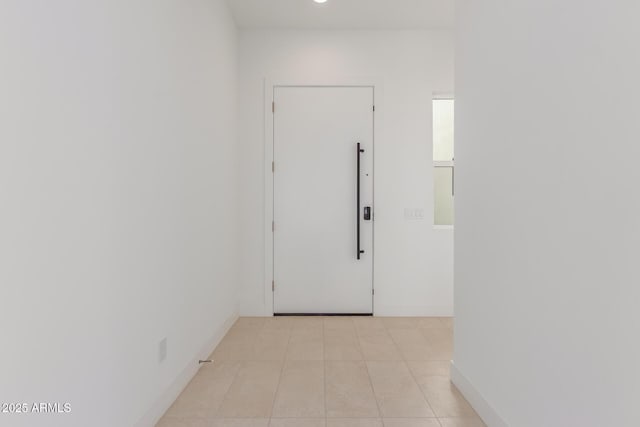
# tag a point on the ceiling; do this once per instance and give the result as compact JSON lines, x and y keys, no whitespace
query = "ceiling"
{"x":343,"y":14}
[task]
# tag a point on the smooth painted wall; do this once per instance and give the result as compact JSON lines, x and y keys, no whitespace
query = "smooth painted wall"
{"x":548,"y":210}
{"x":413,"y":272}
{"x":119,"y":201}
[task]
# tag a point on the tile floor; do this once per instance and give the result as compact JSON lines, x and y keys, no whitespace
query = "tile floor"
{"x":327,"y":372}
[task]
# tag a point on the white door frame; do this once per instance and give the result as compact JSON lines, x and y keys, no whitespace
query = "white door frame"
{"x":269,"y":88}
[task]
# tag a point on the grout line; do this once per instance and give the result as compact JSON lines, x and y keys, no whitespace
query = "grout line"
{"x":283,"y":361}
{"x":373,"y":391}
{"x":324,"y":370}
{"x":424,"y":396}
{"x":241,"y":365}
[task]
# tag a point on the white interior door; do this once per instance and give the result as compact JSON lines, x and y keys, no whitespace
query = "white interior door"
{"x":316,"y":135}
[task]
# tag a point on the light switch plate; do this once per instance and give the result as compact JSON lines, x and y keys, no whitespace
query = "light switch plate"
{"x":414,"y":214}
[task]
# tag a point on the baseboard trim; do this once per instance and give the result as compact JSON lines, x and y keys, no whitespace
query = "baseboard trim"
{"x":384,"y":310}
{"x":482,"y":407}
{"x":167,"y":398}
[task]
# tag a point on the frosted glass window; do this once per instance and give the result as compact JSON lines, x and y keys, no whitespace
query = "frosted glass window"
{"x":443,"y":129}
{"x":443,"y":161}
{"x":443,"y":195}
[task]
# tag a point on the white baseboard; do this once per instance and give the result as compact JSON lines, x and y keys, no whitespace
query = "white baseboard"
{"x":482,"y":407}
{"x":384,"y":310}
{"x":167,"y":398}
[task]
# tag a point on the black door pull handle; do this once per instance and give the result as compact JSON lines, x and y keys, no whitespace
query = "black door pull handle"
{"x":359,"y":251}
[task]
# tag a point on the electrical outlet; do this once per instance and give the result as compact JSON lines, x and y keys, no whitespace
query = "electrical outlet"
{"x":162,"y":350}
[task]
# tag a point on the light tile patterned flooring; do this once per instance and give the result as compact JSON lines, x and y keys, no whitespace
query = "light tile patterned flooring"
{"x":327,"y":372}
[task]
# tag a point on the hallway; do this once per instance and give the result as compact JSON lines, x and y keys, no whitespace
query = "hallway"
{"x":327,"y":372}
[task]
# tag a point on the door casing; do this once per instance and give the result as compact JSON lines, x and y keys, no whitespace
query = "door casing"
{"x":269,"y":87}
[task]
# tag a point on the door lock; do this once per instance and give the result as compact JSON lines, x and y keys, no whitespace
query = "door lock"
{"x":367,"y":213}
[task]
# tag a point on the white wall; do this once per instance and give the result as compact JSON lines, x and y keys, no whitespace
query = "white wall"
{"x":547,"y":280}
{"x":413,"y":262}
{"x":118,"y":194}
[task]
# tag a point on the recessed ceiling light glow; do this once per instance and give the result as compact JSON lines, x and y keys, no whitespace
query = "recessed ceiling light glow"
{"x":320,"y":1}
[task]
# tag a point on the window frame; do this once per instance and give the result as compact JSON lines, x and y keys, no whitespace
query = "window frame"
{"x":443,"y":163}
